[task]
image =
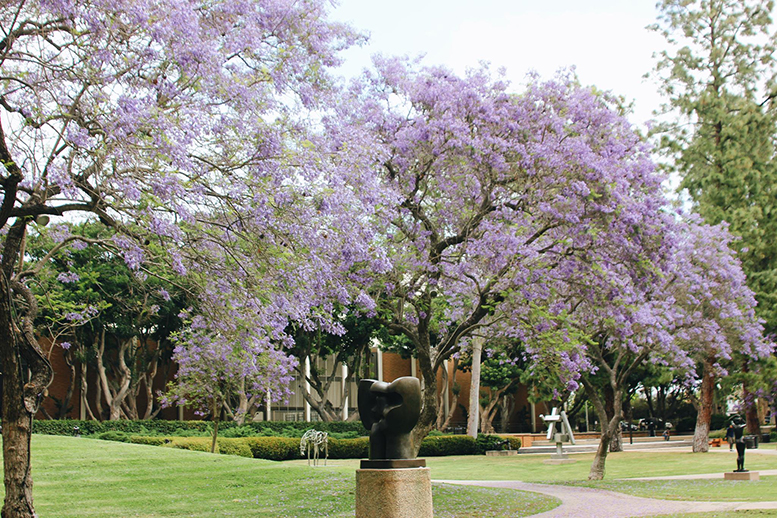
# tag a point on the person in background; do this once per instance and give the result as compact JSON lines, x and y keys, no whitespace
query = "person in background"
{"x":730,"y":436}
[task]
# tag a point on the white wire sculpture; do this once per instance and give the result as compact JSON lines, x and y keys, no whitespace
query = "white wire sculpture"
{"x":314,"y":442}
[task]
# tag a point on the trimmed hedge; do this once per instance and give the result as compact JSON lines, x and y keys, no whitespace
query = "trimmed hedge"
{"x":159,"y":427}
{"x":287,"y":448}
{"x":349,"y":448}
{"x":150,"y":441}
{"x":272,"y":448}
{"x":440,"y":445}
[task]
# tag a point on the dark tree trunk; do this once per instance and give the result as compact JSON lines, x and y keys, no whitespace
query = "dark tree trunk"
{"x":616,"y":437}
{"x":17,"y":423}
{"x":428,"y":418}
{"x":26,"y":374}
{"x":751,"y":410}
{"x":610,"y":424}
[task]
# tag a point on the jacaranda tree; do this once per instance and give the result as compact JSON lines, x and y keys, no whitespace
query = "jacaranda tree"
{"x":174,"y":123}
{"x":690,"y":307}
{"x":493,"y":193}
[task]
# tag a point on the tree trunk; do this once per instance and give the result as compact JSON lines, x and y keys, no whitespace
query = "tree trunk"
{"x":114,"y":398}
{"x":616,"y":438}
{"x":86,"y":411}
{"x":25,"y":375}
{"x":701,"y":434}
{"x":474,"y":388}
{"x":506,"y":405}
{"x":16,"y":426}
{"x":597,"y":466}
{"x":216,"y":415}
{"x":444,"y":421}
{"x":649,"y":399}
{"x":751,"y":409}
{"x":429,"y":410}
{"x":63,"y":408}
{"x":609,"y":424}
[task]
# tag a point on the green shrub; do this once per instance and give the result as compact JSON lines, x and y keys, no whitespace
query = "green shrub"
{"x":113,"y":436}
{"x":436,"y":446}
{"x":346,"y":435}
{"x":150,"y":441}
{"x":234,"y":447}
{"x":515,"y":442}
{"x":193,"y":443}
{"x":357,"y":448}
{"x":273,"y":448}
{"x":238,"y":431}
{"x":159,"y":427}
{"x":718,"y":434}
{"x":486,"y":442}
{"x":718,"y":421}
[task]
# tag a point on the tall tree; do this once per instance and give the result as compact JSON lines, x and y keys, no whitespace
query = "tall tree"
{"x":718,"y":78}
{"x":168,"y":121}
{"x":491,"y":192}
{"x":694,"y":305}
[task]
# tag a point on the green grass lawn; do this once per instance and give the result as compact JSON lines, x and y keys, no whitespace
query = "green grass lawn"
{"x":91,"y":478}
{"x":716,"y":490}
{"x":530,"y":468}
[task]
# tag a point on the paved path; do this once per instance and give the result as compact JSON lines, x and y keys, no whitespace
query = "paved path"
{"x":583,"y":502}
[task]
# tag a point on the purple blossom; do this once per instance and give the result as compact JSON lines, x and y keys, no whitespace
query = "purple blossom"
{"x":68,"y":277}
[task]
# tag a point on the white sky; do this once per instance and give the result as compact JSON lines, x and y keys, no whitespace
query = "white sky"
{"x":605,"y":40}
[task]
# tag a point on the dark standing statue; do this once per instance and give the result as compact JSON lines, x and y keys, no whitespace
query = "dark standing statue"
{"x":739,"y":441}
{"x":390,"y":411}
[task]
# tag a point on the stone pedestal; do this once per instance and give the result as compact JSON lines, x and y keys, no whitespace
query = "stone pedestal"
{"x":554,"y":460}
{"x":394,"y":493}
{"x":742,"y":475}
{"x":559,"y":458}
{"x":501,"y":453}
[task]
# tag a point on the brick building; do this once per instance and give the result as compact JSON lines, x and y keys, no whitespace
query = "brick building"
{"x":384,"y":366}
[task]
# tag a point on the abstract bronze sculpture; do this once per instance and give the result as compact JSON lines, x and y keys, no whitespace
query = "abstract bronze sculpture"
{"x":390,"y":411}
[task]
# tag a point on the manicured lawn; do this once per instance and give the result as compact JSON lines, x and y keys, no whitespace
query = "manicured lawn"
{"x":91,"y":478}
{"x":708,"y":490}
{"x":530,"y":468}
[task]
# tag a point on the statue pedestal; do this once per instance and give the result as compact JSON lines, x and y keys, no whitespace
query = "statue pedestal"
{"x":394,"y":493}
{"x":501,"y":453}
{"x":559,"y":458}
{"x":742,"y":475}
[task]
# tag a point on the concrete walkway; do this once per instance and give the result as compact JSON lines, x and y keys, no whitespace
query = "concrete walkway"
{"x":583,"y":502}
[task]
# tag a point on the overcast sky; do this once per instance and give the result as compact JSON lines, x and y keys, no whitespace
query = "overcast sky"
{"x":605,"y":40}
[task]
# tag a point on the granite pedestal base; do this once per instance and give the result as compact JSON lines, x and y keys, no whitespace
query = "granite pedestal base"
{"x":559,"y":459}
{"x":394,"y":493}
{"x":742,"y":475}
{"x":501,"y":453}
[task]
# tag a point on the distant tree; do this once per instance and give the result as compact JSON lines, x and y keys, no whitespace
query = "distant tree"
{"x":351,"y":348}
{"x":88,"y":294}
{"x":502,"y":370}
{"x":719,"y":82}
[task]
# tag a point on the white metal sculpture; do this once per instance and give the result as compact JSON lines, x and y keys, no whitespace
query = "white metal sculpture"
{"x":314,"y":442}
{"x":565,"y":434}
